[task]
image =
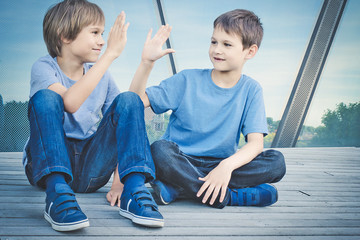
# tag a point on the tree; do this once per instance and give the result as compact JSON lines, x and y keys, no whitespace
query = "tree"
{"x":341,"y":127}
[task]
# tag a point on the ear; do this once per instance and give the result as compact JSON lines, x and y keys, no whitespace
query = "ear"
{"x":252,"y":50}
{"x":65,"y":40}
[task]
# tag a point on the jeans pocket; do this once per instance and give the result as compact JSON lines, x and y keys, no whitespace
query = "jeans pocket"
{"x":97,"y":182}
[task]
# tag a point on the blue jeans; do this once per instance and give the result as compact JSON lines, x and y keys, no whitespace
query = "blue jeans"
{"x":87,"y":164}
{"x":182,"y":171}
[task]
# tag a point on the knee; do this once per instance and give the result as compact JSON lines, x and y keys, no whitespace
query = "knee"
{"x":46,"y":101}
{"x":161,"y":151}
{"x":128,"y":101}
{"x":278,"y":163}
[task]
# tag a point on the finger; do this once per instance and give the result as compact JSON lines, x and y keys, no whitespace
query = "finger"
{"x":125,"y":27}
{"x":118,"y":201}
{"x":121,"y":19}
{"x":113,"y":200}
{"x":148,"y":37}
{"x":108,"y":197}
{"x":208,"y":193}
{"x":223,"y":194}
{"x":118,"y":20}
{"x":214,"y":195}
{"x":203,"y":178}
{"x":166,"y":51}
{"x":202,"y":189}
{"x":165,"y":33}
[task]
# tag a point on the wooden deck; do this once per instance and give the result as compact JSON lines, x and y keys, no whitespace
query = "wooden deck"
{"x":319,"y":198}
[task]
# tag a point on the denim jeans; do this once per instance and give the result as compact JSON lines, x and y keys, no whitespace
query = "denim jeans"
{"x":182,"y":171}
{"x":87,"y":164}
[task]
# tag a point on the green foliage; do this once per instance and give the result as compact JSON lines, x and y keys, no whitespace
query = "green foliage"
{"x":341,"y":127}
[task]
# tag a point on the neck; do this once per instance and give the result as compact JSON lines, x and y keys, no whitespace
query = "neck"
{"x":226,"y":79}
{"x":72,"y":69}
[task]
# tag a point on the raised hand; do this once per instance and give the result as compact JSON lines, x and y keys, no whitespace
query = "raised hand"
{"x":117,"y":37}
{"x":153,"y":46}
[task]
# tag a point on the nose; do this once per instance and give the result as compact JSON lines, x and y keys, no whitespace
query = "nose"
{"x":101,"y":41}
{"x":217,"y":49}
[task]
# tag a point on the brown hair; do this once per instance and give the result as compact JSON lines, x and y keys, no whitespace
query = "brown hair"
{"x":66,"y":19}
{"x":243,"y":23}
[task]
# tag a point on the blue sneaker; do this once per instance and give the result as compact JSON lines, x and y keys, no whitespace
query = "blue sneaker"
{"x":261,"y":195}
{"x":138,"y":205}
{"x":62,"y":210}
{"x":164,"y":194}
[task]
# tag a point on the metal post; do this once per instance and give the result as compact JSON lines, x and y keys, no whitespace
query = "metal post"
{"x":159,"y":7}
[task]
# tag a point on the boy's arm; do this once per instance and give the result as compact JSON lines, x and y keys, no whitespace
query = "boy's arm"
{"x":75,"y":96}
{"x":115,"y":192}
{"x":218,"y":179}
{"x":152,"y":51}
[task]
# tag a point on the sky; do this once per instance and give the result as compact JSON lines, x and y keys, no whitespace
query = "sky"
{"x":287,"y":29}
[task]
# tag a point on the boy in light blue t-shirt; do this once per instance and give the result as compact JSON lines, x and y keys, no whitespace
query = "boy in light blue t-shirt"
{"x":197,"y":157}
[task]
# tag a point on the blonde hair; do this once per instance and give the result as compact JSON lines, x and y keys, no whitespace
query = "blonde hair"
{"x":66,"y":19}
{"x":243,"y":23}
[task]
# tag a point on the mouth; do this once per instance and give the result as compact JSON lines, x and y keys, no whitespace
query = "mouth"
{"x":97,"y":50}
{"x":218,"y":59}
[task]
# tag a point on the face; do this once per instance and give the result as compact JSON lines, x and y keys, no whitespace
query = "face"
{"x":87,"y":45}
{"x":226,"y":51}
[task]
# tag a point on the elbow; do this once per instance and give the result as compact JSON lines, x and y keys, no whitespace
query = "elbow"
{"x":70,"y":107}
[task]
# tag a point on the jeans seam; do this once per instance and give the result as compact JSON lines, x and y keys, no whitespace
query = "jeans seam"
{"x":41,"y":138}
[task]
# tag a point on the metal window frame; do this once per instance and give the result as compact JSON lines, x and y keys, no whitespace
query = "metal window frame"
{"x":160,"y":11}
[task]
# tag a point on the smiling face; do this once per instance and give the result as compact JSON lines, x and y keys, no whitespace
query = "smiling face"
{"x":226,"y":51}
{"x":86,"y":47}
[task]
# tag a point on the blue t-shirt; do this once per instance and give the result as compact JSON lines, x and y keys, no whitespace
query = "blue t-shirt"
{"x":207,"y":120}
{"x":83,"y":123}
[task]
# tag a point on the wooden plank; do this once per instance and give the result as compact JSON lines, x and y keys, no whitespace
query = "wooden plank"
{"x":318,"y":199}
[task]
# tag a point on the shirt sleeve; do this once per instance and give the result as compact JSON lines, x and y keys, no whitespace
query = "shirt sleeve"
{"x":168,"y":95}
{"x":43,"y":74}
{"x":255,"y":118}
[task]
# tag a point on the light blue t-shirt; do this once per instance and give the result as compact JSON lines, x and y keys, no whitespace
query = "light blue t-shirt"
{"x":83,"y":123}
{"x":206,"y":119}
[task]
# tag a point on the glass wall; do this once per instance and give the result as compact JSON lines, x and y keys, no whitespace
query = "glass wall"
{"x":333,"y":118}
{"x":287,"y":29}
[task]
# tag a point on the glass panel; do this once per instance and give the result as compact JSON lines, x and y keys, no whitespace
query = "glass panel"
{"x":22,"y":44}
{"x":333,"y":118}
{"x":287,"y":29}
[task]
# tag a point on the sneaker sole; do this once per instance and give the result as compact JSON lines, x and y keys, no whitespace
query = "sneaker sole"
{"x":65,"y":227}
{"x":145,"y":221}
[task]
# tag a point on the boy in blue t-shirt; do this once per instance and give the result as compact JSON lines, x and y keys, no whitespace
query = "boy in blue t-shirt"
{"x":197,"y":157}
{"x":82,"y":129}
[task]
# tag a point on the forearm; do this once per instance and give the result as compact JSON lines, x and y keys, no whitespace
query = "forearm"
{"x":138,"y":84}
{"x":76,"y":95}
{"x":245,"y":154}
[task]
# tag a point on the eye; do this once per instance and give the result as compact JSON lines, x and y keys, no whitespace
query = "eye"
{"x":95,"y":32}
{"x":227,"y":45}
{"x":213,"y":42}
